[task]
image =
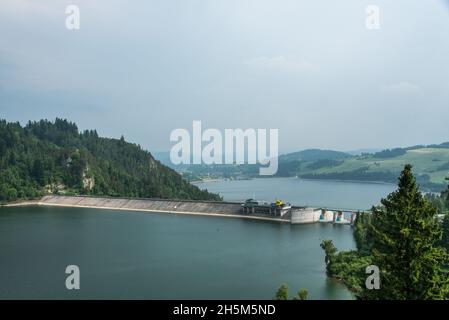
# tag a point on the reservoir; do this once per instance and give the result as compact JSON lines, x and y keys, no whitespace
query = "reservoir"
{"x":314,"y":193}
{"x":124,"y":254}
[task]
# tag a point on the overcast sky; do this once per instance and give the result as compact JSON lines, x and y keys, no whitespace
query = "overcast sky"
{"x":309,"y":68}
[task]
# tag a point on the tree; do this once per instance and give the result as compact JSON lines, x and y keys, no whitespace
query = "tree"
{"x":56,"y":155}
{"x":329,"y":251}
{"x":445,"y":225}
{"x":361,"y":236}
{"x":282,"y":293}
{"x":445,"y":230}
{"x":405,"y":232}
{"x":38,"y":172}
{"x":446,"y":196}
{"x":301,"y":295}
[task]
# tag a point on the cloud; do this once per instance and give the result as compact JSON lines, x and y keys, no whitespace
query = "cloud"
{"x":401,"y":88}
{"x":279,"y":63}
{"x":27,"y":7}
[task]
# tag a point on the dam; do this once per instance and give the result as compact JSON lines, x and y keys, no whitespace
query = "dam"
{"x":282,"y":214}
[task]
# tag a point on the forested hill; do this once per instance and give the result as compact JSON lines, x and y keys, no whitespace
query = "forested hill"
{"x":54,"y":157}
{"x":314,"y":155}
{"x":430,"y":164}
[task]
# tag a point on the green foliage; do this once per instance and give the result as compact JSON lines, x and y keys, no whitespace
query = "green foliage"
{"x":324,"y":163}
{"x":346,"y":266}
{"x":390,"y":153}
{"x":445,"y":233}
{"x":401,"y":237}
{"x":361,"y":236}
{"x":54,"y":157}
{"x":361,"y":174}
{"x":329,"y":254}
{"x":405,"y":233}
{"x":282,"y":293}
{"x":314,"y":155}
{"x":302,"y":294}
{"x":439,"y":202}
{"x":349,"y":267}
{"x":442,"y":204}
{"x":430,"y":163}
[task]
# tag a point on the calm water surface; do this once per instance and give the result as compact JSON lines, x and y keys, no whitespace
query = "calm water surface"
{"x":319,"y":193}
{"x":160,"y":256}
{"x":148,"y":256}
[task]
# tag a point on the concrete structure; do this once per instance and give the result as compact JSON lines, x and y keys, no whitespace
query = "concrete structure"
{"x":189,"y":207}
{"x":279,"y":209}
{"x":327,"y":216}
{"x":305,"y":215}
{"x":156,"y":205}
{"x":337,"y":216}
{"x":258,"y":210}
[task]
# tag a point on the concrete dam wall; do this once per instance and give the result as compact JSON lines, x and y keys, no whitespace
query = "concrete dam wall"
{"x":295,"y":215}
{"x":211,"y":208}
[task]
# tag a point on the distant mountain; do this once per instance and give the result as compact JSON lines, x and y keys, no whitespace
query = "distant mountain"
{"x":313,"y":155}
{"x":431,"y":166}
{"x":54,"y":157}
{"x":359,"y":152}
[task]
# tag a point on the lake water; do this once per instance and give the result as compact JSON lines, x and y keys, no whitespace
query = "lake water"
{"x":125,"y":255}
{"x":316,"y":193}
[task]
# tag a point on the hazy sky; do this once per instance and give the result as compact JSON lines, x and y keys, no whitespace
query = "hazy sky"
{"x":309,"y":68}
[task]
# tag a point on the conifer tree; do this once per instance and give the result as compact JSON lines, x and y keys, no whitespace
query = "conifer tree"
{"x":329,"y":253}
{"x":302,"y":294}
{"x":445,"y":230}
{"x":282,"y":293}
{"x":405,"y":233}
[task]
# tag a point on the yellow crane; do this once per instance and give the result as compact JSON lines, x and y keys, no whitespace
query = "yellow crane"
{"x":280,"y":203}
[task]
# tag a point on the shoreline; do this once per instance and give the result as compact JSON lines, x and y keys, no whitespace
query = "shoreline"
{"x":210,"y":214}
{"x":295,"y":178}
{"x":350,"y":181}
{"x":24,"y":203}
{"x":196,"y":182}
{"x":424,"y":189}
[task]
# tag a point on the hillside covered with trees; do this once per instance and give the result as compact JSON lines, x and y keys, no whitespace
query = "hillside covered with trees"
{"x":55,"y":158}
{"x":404,"y":238}
{"x":430,"y":163}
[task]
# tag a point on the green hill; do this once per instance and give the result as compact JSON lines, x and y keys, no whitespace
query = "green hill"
{"x":313,"y":155}
{"x":430,"y":163}
{"x":54,"y":157}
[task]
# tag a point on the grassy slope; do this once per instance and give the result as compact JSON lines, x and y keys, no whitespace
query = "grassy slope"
{"x":430,"y":161}
{"x":313,"y":155}
{"x":424,"y":161}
